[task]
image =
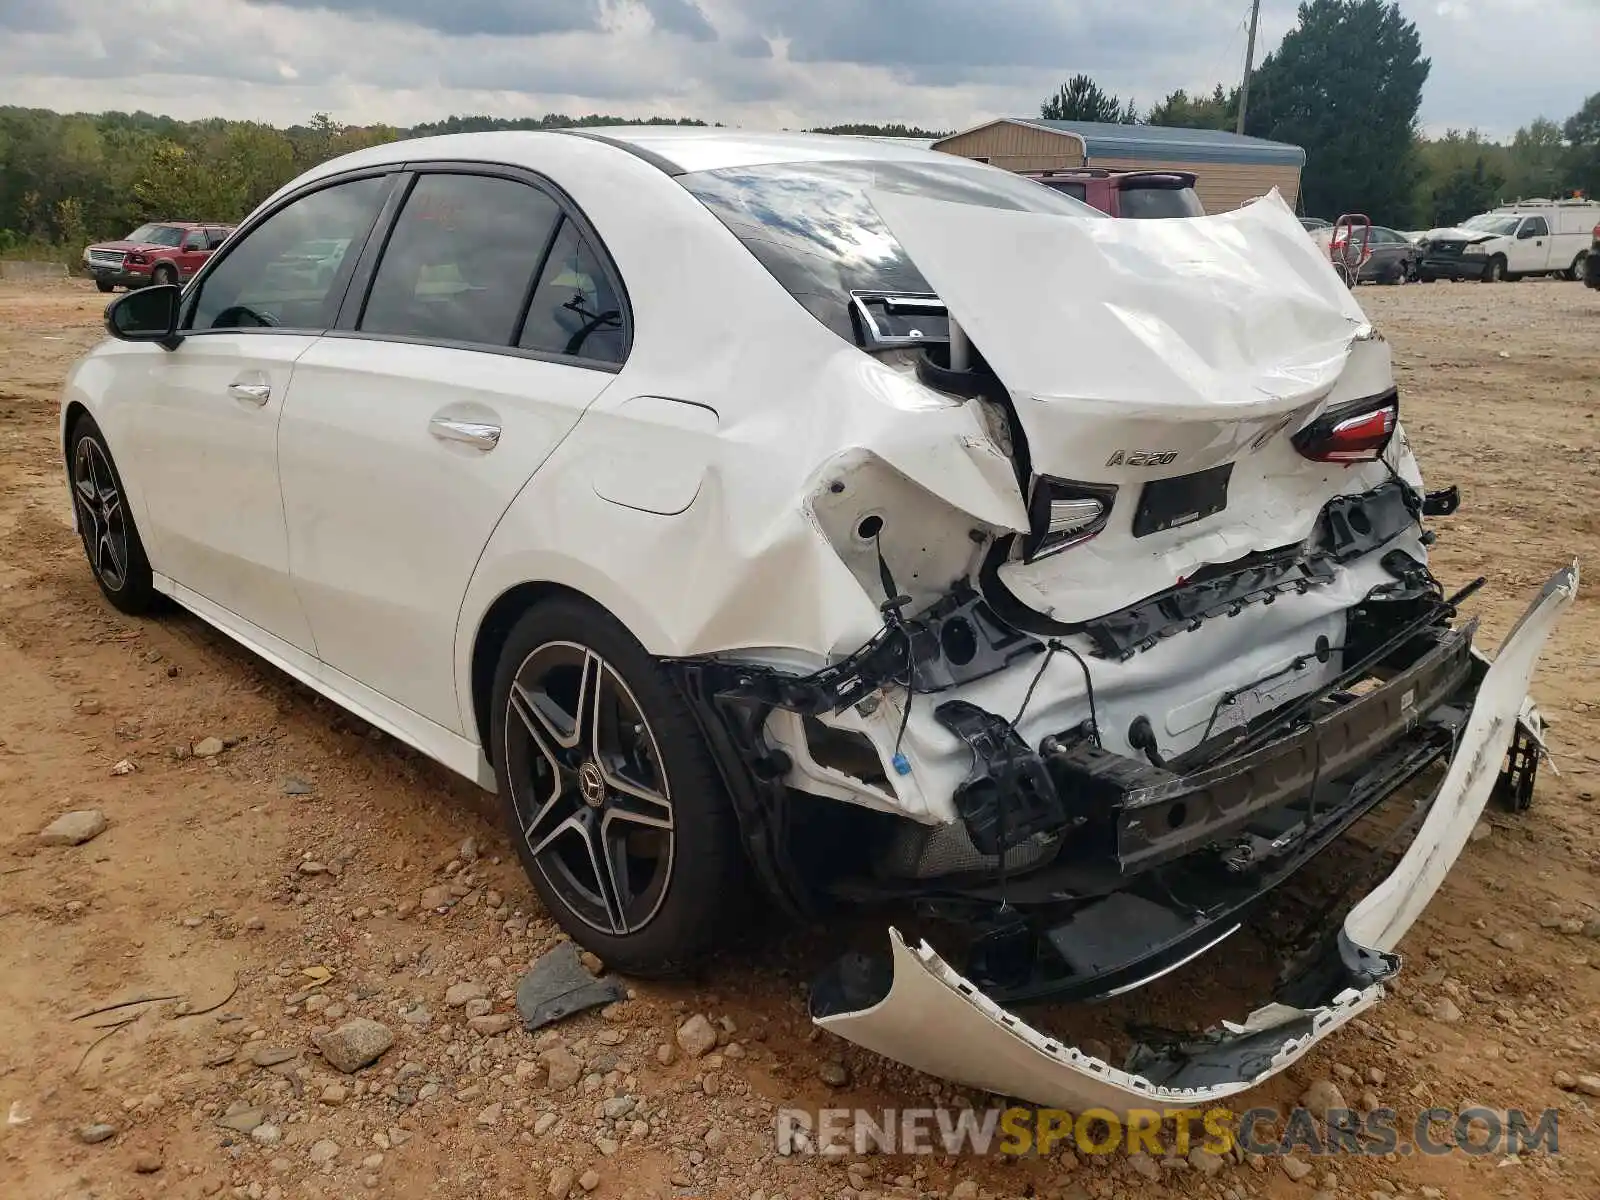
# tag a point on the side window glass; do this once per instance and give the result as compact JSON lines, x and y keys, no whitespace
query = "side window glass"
{"x":575,"y":309}
{"x":460,"y":260}
{"x":195,"y":239}
{"x":280,"y":274}
{"x":1537,"y":227}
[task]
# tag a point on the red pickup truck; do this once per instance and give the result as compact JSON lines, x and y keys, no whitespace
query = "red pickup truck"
{"x":160,"y":252}
{"x":1127,"y":193}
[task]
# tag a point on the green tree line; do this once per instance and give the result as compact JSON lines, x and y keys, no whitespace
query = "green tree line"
{"x":1345,"y":84}
{"x":70,"y":178}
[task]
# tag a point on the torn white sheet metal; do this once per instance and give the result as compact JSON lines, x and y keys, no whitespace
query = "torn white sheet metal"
{"x":935,"y":1021}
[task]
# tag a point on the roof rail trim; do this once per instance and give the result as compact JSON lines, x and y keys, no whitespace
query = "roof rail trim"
{"x":660,"y":162}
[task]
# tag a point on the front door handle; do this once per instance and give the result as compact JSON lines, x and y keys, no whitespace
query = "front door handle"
{"x":473,"y":433}
{"x":255,"y":393}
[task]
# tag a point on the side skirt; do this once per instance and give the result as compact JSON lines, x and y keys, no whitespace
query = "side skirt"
{"x":445,"y":747}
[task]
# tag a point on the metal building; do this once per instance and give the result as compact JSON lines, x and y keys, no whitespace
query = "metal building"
{"x":1230,"y":169}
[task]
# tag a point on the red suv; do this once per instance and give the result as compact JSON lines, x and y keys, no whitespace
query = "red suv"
{"x":160,"y":252}
{"x":1127,"y":193}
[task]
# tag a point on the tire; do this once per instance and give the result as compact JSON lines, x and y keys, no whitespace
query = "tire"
{"x":651,"y":796}
{"x":164,"y":273}
{"x":104,"y":285}
{"x":1495,"y":270}
{"x":1579,"y":265}
{"x":1426,"y":277}
{"x":110,"y":538}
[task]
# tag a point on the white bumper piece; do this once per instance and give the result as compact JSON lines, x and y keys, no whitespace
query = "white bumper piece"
{"x":935,"y":1021}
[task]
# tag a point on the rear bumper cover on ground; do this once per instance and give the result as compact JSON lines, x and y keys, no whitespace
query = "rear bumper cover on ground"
{"x":934,"y":1020}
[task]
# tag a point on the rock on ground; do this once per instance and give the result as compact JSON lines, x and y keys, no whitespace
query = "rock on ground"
{"x":1321,"y":1097}
{"x":1295,"y":1168}
{"x":460,"y":994}
{"x":560,"y":1182}
{"x":74,"y":828}
{"x":564,"y":1067}
{"x":696,"y":1037}
{"x":355,"y":1044}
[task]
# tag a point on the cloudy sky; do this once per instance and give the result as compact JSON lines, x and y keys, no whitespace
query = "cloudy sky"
{"x":770,"y":63}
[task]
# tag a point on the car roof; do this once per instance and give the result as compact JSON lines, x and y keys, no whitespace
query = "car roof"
{"x":693,"y":148}
{"x":676,"y":149}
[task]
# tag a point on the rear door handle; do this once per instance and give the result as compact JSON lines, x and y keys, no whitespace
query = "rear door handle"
{"x":255,"y":393}
{"x":473,"y":433}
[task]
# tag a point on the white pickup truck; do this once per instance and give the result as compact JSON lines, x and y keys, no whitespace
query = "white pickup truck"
{"x":1531,"y":237}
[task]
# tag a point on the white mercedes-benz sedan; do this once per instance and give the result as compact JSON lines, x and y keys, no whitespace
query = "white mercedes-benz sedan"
{"x":849,"y":523}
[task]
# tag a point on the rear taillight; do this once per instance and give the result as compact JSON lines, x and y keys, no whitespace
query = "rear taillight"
{"x":1065,"y":514}
{"x":1351,"y":433}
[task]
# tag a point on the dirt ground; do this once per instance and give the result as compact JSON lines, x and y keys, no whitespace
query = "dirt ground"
{"x":307,"y":843}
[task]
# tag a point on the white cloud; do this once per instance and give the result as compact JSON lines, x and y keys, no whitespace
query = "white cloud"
{"x":789,"y":63}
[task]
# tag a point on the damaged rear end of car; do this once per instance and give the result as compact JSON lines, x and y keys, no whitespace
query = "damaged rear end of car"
{"x":1157,"y":631}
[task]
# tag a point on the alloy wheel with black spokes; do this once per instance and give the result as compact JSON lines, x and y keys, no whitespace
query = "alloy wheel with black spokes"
{"x":101,"y":517}
{"x":593,"y":802}
{"x":110,"y":538}
{"x":617,"y":811}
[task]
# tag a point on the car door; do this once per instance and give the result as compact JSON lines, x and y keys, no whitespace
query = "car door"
{"x":194,"y":251}
{"x":204,"y":423}
{"x":1379,"y":251}
{"x":1530,"y":250}
{"x":490,"y":323}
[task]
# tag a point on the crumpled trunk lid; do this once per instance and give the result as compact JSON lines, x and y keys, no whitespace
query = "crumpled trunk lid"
{"x":1138,"y":351}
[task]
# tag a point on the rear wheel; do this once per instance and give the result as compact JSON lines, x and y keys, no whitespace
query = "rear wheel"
{"x":110,"y":539}
{"x":612,"y":799}
{"x":1579,"y":265}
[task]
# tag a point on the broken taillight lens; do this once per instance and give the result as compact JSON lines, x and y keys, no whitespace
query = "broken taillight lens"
{"x":1351,"y":433}
{"x":1065,"y":514}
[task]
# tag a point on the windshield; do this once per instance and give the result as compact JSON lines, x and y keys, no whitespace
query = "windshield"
{"x":1145,"y":201}
{"x":812,"y":226}
{"x":1490,"y":223}
{"x":157,"y":235}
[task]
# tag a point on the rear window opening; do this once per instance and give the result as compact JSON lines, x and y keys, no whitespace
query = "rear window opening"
{"x":813,"y":227}
{"x":1160,"y":198}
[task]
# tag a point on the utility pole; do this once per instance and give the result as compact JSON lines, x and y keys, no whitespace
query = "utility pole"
{"x":1249,"y":64}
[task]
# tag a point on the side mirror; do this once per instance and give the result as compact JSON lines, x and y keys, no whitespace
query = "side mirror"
{"x":147,"y":315}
